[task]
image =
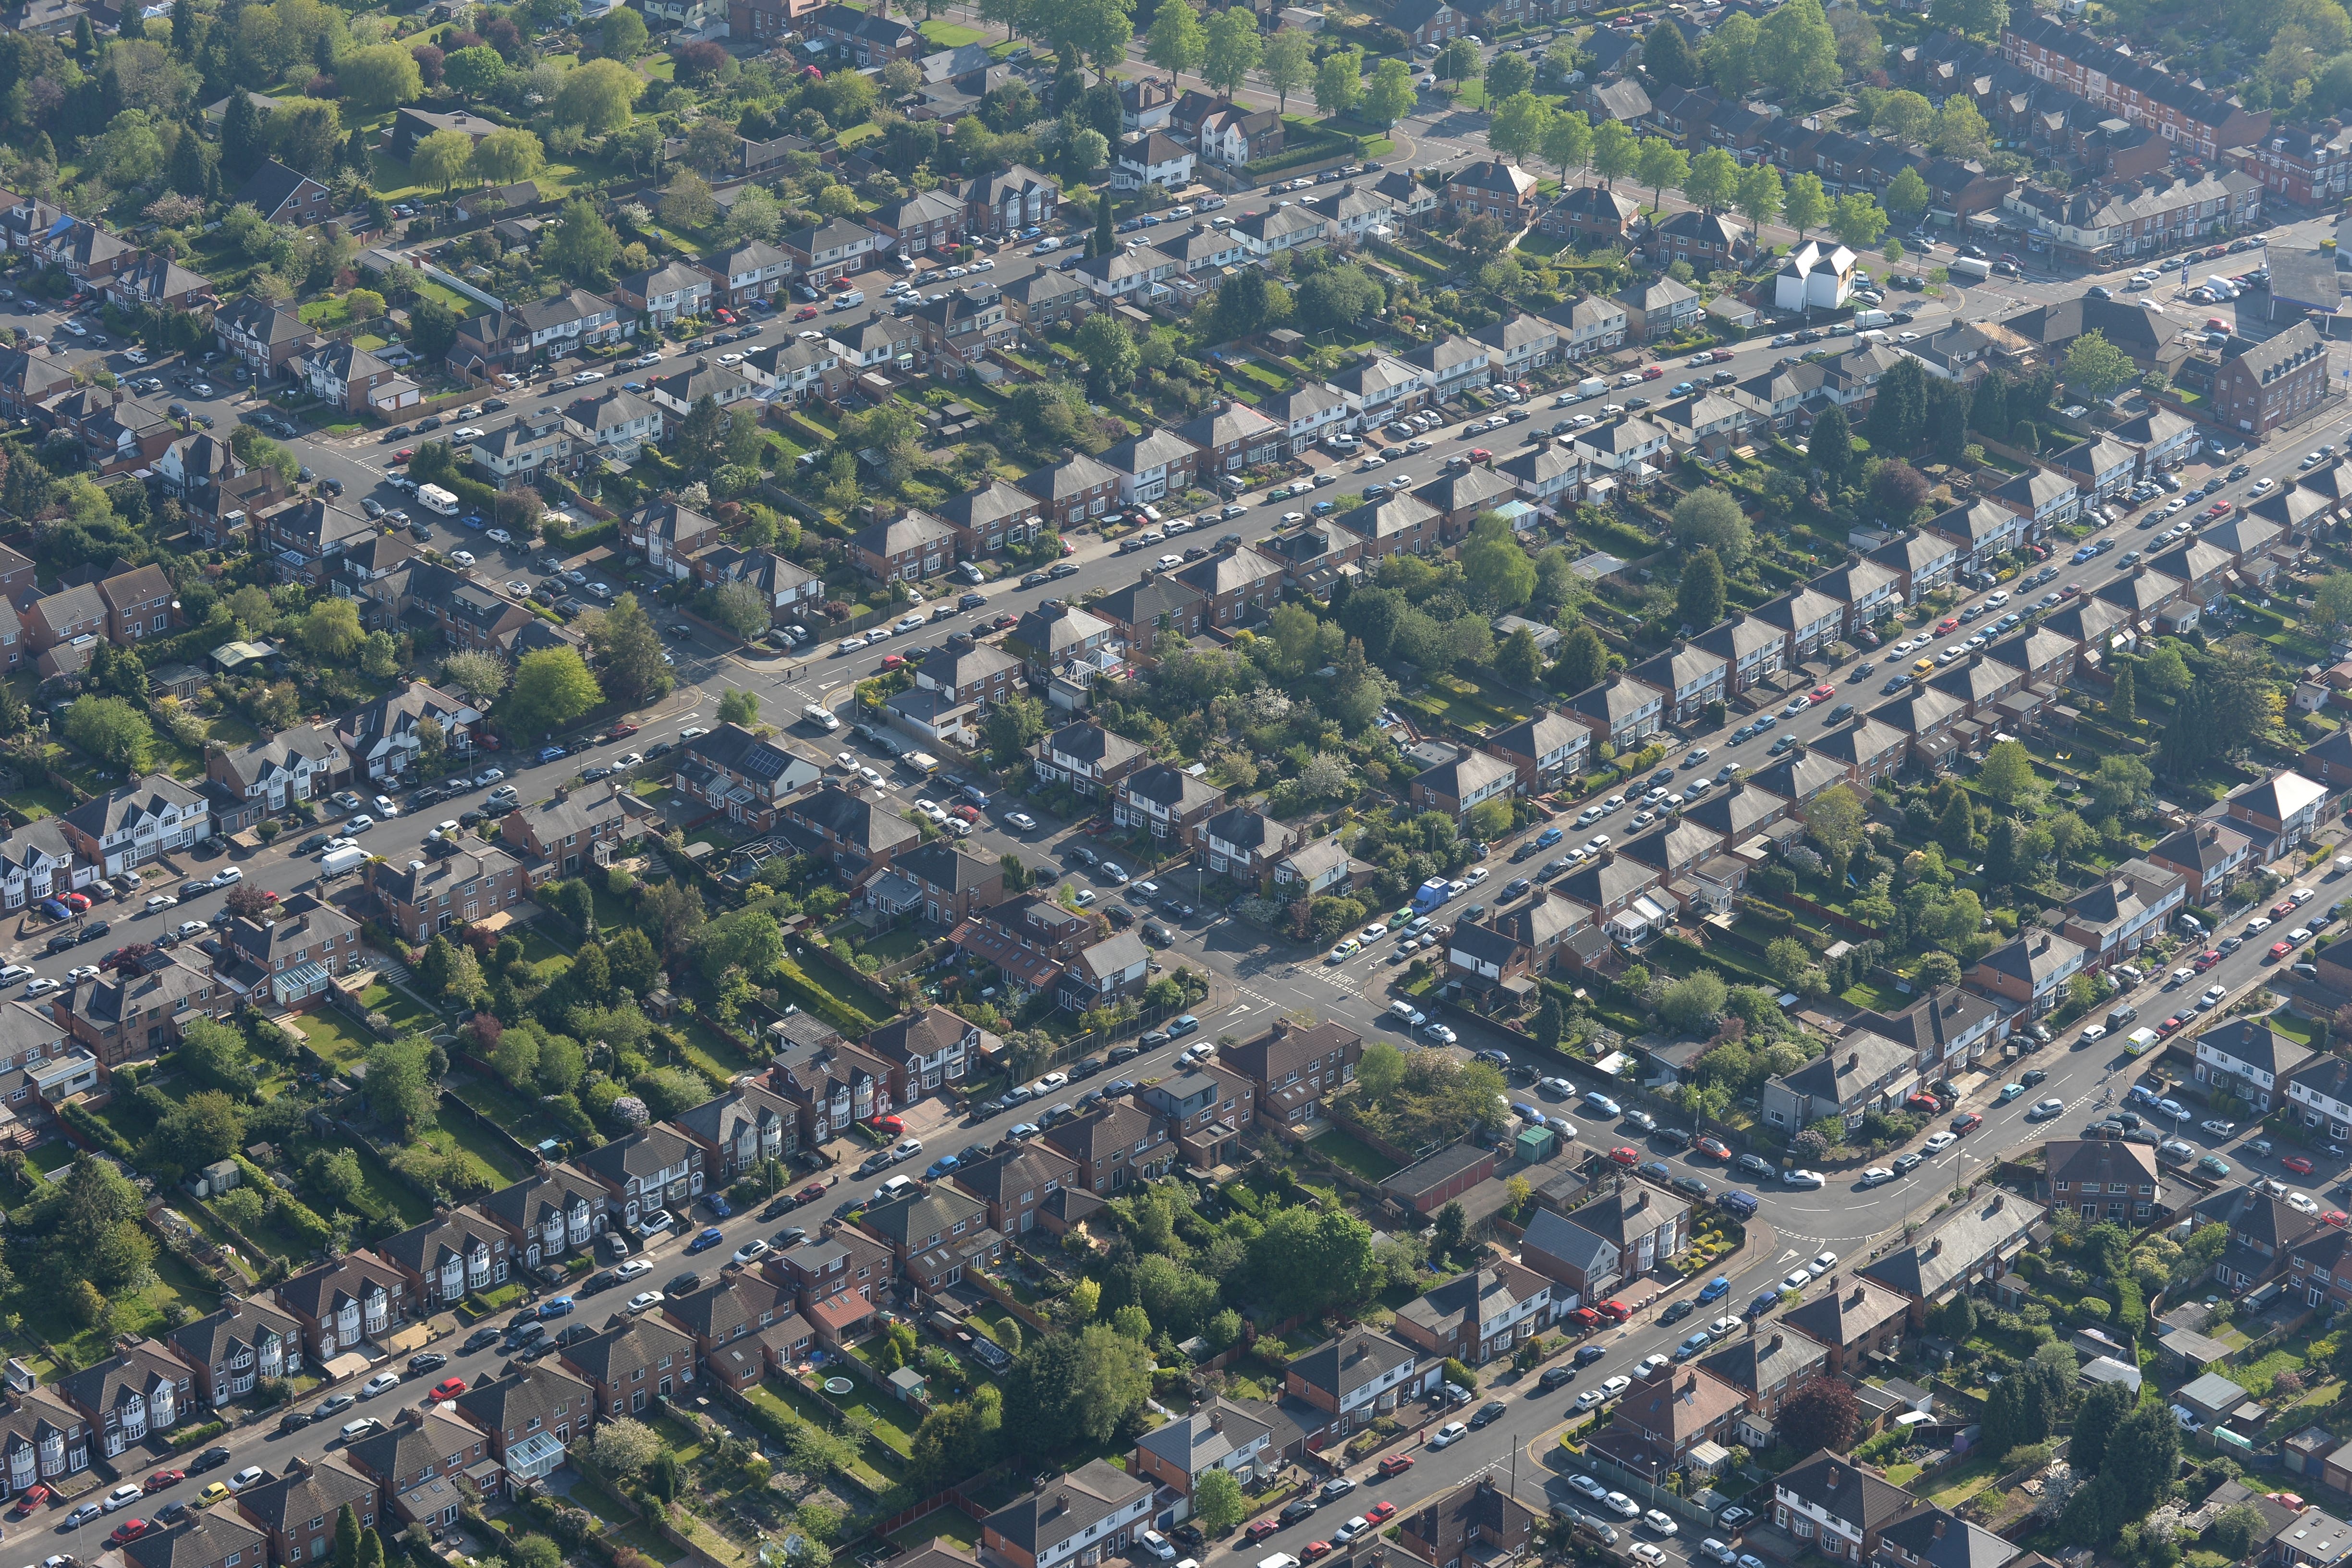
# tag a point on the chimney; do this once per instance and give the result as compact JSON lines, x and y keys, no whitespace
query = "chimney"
{"x":1834,"y":1480}
{"x":1216,"y":1419}
{"x":2212,"y":833}
{"x":1935,"y":1247}
{"x":1773,"y":1345}
{"x":1939,"y":1527}
{"x":564,"y":791}
{"x":1853,"y":1060}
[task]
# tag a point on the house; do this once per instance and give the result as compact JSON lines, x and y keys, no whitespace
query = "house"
{"x":2029,"y":970}
{"x":1232,"y":136}
{"x":612,"y":422}
{"x":1101,"y":975}
{"x":1231,"y":438}
{"x":905,"y":549}
{"x":552,"y":1214}
{"x":1112,"y":1144}
{"x":129,"y":827}
{"x":1814,"y":278}
{"x":1478,"y":1316}
{"x":143,"y":1389}
{"x":43,"y":1440}
{"x":1491,"y":188}
{"x":417,"y":1451}
{"x":383,"y":739}
{"x":663,"y":293}
{"x":930,"y":1050}
{"x":1663,"y":1417}
{"x":654,"y":1167}
{"x":1079,"y":1518}
{"x":1149,"y":158}
{"x":249,"y":1339}
{"x":864,"y":38}
{"x":1766,"y":1367}
{"x":934,"y":1235}
{"x":1948,"y":1027}
{"x":1858,"y":1073}
{"x":1467,"y":1523}
{"x":2260,"y":386}
{"x":426,"y":898}
{"x":742,"y":1326}
{"x":824,"y":253}
{"x":2279,"y":814}
{"x":2209,"y":854}
{"x":2245,"y":1059}
{"x":1002,"y":204}
{"x":1658,"y":308}
{"x":1170,"y":801}
{"x":297,"y":1512}
{"x":1296,"y":1067}
{"x":266,"y":336}
{"x":1853,"y":1318}
{"x":1086,"y":757}
{"x":218,"y":1539}
{"x":339,"y":1304}
{"x":1972,"y":1244}
{"x":1015,"y":1184}
{"x":1460,"y":786}
{"x":572,"y":828}
{"x":2102,"y":1180}
{"x":632,"y":1363}
{"x":1543,"y":749}
{"x":457,"y":1251}
{"x":1840,"y":1504}
{"x":355,"y":380}
{"x":1244,"y":1437}
{"x":531,"y":1414}
{"x":535,"y":331}
{"x":1354,"y":1379}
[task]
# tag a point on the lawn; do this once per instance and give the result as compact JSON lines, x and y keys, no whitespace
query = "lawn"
{"x":893,"y":946}
{"x":494,"y":1159}
{"x":616,"y":1520}
{"x":41,"y":800}
{"x":1352,"y":1154}
{"x":334,"y":1037}
{"x":712,"y":1051}
{"x":780,"y":1396}
{"x":940,"y":1524}
{"x":1964,"y":1481}
{"x":949,"y":35}
{"x":406,"y":1013}
{"x":2292,"y":1025}
{"x":509,"y":1111}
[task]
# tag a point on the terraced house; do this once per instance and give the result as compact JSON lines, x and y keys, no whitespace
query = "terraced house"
{"x":652,"y":1168}
{"x":542,"y":330}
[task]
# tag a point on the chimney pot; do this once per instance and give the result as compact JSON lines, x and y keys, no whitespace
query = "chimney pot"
{"x":1939,"y":1527}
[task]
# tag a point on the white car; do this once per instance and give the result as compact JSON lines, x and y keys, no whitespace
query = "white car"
{"x":932,"y":810}
{"x":634,"y":1269}
{"x":1805,"y":1178}
{"x":123,"y":1496}
{"x":81,"y":972}
{"x":644,"y":1300}
{"x":849,"y":644}
{"x":1023,"y":820}
{"x":43,"y":987}
{"x":1589,"y":1399}
{"x":161,"y":901}
{"x":1796,"y":1280}
{"x":1615,"y":1386}
{"x":1821,"y":1264}
{"x":1445,"y":1436}
{"x":382,"y":1382}
{"x":1941,"y":1142}
{"x":1646,"y":1553}
{"x":1660,"y":1521}
{"x":2218,"y":1127}
{"x":1157,"y":1544}
{"x":253,"y":1475}
{"x":1649,"y":1364}
{"x":463,"y":556}
{"x":1876,"y":1175}
{"x":751,"y":1250}
{"x":2301,"y":1203}
{"x":500,"y":537}
{"x":359,"y":824}
{"x":384,"y":809}
{"x":1624,"y":1507}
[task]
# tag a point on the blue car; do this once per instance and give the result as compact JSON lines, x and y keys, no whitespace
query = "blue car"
{"x":474,"y":520}
{"x":558,"y":1307}
{"x":710,"y":1238}
{"x":549,"y":754}
{"x":1716,"y":1289}
{"x":1183,"y":1027}
{"x":939,"y":1168}
{"x":719,"y":1205}
{"x":1548,"y":837}
{"x":55,"y":908}
{"x":1762,"y":1304}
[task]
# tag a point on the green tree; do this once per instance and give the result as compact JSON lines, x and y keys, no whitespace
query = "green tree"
{"x":622,"y":34}
{"x":629,"y":653}
{"x":1508,"y":73}
{"x":1796,"y":53}
{"x":1615,"y":151}
{"x":2103,"y":1410}
{"x":1217,"y":1499}
{"x":2095,"y":368}
{"x":1714,"y":179}
{"x":1456,"y":61}
{"x":400,"y":1088}
{"x":583,"y":248}
{"x":1710,"y":517}
{"x":1289,"y":65}
{"x":474,"y":71}
{"x":330,"y":629}
{"x":1760,"y":197}
{"x":1517,"y":125}
{"x":1339,"y":81}
{"x":1960,"y":131}
{"x":2006,"y":774}
{"x":1660,"y":165}
{"x":1568,"y":142}
{"x":1668,"y":61}
{"x":439,"y":160}
{"x":1108,"y":350}
{"x":1859,"y":220}
{"x":1496,"y":569}
{"x":1391,"y":95}
{"x":347,"y":1538}
{"x":1695,"y":1003}
{"x":1233,"y":49}
{"x":596,"y":96}
{"x":1699,"y":598}
{"x":1832,"y":447}
{"x":2122,"y":701}
{"x":1806,"y":206}
{"x":1908,"y":195}
{"x":551,"y":688}
{"x":113,"y":731}
{"x":1581,"y":659}
{"x":2122,"y":782}
{"x":1176,"y":42}
{"x":1521,"y":662}
{"x":506,"y":156}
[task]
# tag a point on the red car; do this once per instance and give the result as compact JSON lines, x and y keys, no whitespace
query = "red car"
{"x":2070,"y":591}
{"x":1381,"y":1512}
{"x":1480,"y":454}
{"x":894,"y":661}
{"x":1616,"y":1310}
{"x":1260,"y":1529}
{"x":1629,"y":1158}
{"x":620,"y":731}
{"x":1313,"y":1550}
{"x":448,"y":1388}
{"x":2278,"y":950}
{"x":1967,"y":1122}
{"x":404,"y":455}
{"x":1824,"y":693}
{"x":1712,"y":1149}
{"x":2284,"y":906}
{"x":1948,"y":624}
{"x":1655,"y":373}
{"x":2206,"y":960}
{"x":805,"y":313}
{"x":810,"y":1193}
{"x":129,"y":1531}
{"x":726,"y":316}
{"x":887,"y":1124}
{"x":30,"y":1499}
{"x":2335,"y":1216}
{"x":162,"y":1478}
{"x":2297,"y":1164}
{"x":1394,"y":1464}
{"x":964,"y":813}
{"x":1587,"y":1319}
{"x":1923,"y":1101}
{"x":2169,"y":1025}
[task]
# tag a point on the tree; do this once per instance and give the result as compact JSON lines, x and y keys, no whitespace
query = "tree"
{"x":741,"y":608}
{"x":1339,"y":81}
{"x":1796,"y":53}
{"x":1956,"y":830}
{"x":1581,"y":659}
{"x":1836,"y":818}
{"x":1520,"y":661}
{"x":1495,"y":565}
{"x":1615,"y":151}
{"x":1306,"y":1259}
{"x":2103,"y":1410}
{"x":347,"y":1538}
{"x":1699,"y":599}
{"x":1217,"y":1496}
{"x":330,"y":629}
{"x":1177,"y":42}
{"x":1905,"y":116}
{"x":2122,"y":782}
{"x":1289,"y":65}
{"x":623,"y":1448}
{"x":2143,"y":1457}
{"x":1832,"y":447}
{"x":474,"y":71}
{"x":1660,"y":165}
{"x":689,"y":204}
{"x":1568,"y":142}
{"x":1456,"y":61}
{"x":1108,"y":350}
{"x":1449,"y":1229}
{"x":1695,"y":1003}
{"x":1392,"y":95}
{"x":2123,"y":702}
{"x":1508,"y":72}
{"x":1085,"y":1382}
{"x":2095,"y":368}
{"x":1960,"y":131}
{"x":1859,"y":220}
{"x":1759,"y":197}
{"x":1898,"y":490}
{"x":1823,"y":1414}
{"x":583,"y":246}
{"x":1807,"y":205}
{"x":1338,"y":296}
{"x":439,"y":160}
{"x":1729,"y":55}
{"x":1712,"y":519}
{"x":622,"y":34}
{"x":596,"y":96}
{"x":113,"y":731}
{"x":1714,"y":179}
{"x":1668,"y":61}
{"x":1235,"y":47}
{"x":477,"y":676}
{"x":1908,"y":195}
{"x":400,"y":1087}
{"x":1518,"y":123}
{"x":2006,"y":774}
{"x":551,"y":687}
{"x":508,"y":155}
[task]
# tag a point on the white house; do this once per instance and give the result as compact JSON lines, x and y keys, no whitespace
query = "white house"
{"x":1814,"y":278}
{"x":1152,"y":158}
{"x":129,"y":827}
{"x":2247,"y":1058}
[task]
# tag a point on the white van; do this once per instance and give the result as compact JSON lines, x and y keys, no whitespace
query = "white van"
{"x":823,"y":717}
{"x":850,"y":300}
{"x":434,"y":498}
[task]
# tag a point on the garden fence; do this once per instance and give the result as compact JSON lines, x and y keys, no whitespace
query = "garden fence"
{"x":1635,"y":1484}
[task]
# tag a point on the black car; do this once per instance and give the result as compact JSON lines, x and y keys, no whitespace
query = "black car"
{"x":1189,"y":1535}
{"x":1119,"y":1053}
{"x":1676,"y":1312}
{"x":1035,"y":579}
{"x":660,"y":748}
{"x":683,"y":1285}
{"x":1088,"y":1068}
{"x":781,"y":1205}
{"x":1297,"y":1511}
{"x":95,"y":929}
{"x":1586,"y":1354}
{"x":1553,"y":1377}
{"x":790,"y":1236}
{"x":1517,"y":886}
{"x":477,"y":1340}
{"x":1689,"y":1183}
{"x":496,"y":406}
{"x":2033,"y":1077}
{"x":1493,"y":1410}
{"x":420,"y":533}
{"x":1152,"y":1039}
{"x":314,"y":843}
{"x":603,"y":1279}
{"x":210,"y":1460}
{"x":1672,"y":1137}
{"x":63,"y":942}
{"x":427,"y":1361}
{"x":294,"y":1420}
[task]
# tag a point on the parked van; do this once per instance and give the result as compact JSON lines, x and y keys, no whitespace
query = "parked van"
{"x":1590,"y":386}
{"x":849,"y":300}
{"x":823,"y":717}
{"x":2138,"y":1040}
{"x":342,"y":862}
{"x":1868,"y":319}
{"x":434,"y":498}
{"x":2121,"y":1016}
{"x":1968,"y":267}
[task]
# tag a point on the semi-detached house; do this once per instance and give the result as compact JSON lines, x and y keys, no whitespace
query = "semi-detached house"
{"x":1356,"y":1378}
{"x":829,"y":250}
{"x":1084,"y":1517}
